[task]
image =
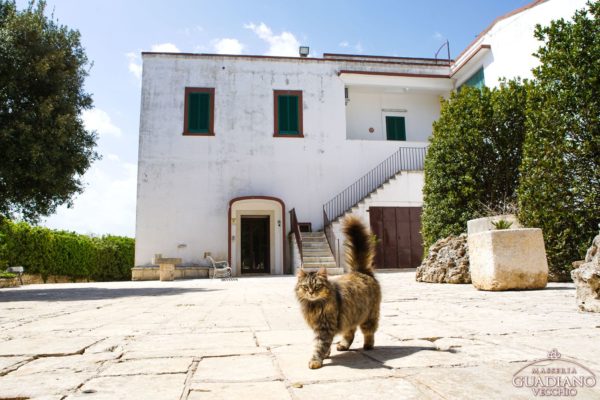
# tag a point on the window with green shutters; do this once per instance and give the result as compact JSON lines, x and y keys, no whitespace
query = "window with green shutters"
{"x":476,"y":80}
{"x":395,"y":128}
{"x":199,"y":111}
{"x":288,"y":113}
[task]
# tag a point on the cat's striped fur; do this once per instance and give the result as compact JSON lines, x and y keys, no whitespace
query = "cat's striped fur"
{"x":340,"y":305}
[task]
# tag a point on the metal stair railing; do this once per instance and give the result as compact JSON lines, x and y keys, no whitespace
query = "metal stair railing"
{"x":404,"y":159}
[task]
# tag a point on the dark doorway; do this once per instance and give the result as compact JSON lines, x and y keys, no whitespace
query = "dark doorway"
{"x":398,"y":231}
{"x":256,"y":251}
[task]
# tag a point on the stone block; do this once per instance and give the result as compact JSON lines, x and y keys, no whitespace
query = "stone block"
{"x":587,"y":279}
{"x":508,"y":259}
{"x":167,"y":272}
{"x":486,"y":224}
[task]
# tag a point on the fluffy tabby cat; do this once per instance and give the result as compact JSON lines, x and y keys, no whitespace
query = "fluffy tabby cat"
{"x":340,"y":305}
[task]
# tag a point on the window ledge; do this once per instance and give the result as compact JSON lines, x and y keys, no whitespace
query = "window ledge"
{"x":296,"y":135}
{"x":198,"y":134}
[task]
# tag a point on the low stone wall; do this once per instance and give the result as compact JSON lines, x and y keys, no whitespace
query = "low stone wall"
{"x":152,"y":272}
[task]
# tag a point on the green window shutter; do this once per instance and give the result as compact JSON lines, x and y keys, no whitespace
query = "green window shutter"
{"x":288,"y":114}
{"x":198,"y":112}
{"x":395,"y":128}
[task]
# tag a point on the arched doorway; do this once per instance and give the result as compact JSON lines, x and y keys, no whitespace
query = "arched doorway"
{"x":256,"y":235}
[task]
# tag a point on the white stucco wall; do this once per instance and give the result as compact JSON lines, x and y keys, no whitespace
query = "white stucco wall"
{"x":512,"y":42}
{"x":185,"y":183}
{"x":367,"y":108}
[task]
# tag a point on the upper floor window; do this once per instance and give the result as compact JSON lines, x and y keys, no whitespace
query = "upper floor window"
{"x":395,"y":128}
{"x":288,"y":113}
{"x":199,"y":118}
{"x":476,"y":80}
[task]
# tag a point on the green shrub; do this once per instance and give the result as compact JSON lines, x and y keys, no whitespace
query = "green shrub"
{"x":473,"y":157}
{"x":560,"y":182}
{"x":49,"y":252}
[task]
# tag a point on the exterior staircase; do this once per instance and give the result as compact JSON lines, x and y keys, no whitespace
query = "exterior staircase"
{"x":316,"y":253}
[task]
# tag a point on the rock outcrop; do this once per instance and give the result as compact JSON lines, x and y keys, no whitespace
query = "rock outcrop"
{"x":447,"y":262}
{"x":587,"y":279}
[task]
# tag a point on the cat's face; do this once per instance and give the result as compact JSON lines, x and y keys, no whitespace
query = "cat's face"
{"x":312,"y":286}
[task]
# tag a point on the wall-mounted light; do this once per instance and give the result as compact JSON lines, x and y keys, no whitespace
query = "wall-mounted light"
{"x":304,"y":50}
{"x":233,"y":221}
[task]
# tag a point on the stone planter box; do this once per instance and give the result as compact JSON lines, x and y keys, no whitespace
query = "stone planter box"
{"x":508,"y":259}
{"x":485,"y":224}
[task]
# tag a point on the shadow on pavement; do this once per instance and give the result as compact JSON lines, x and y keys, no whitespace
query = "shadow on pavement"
{"x":91,"y":293}
{"x":354,"y":358}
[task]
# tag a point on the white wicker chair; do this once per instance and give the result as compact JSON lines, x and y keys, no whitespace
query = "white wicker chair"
{"x":221,"y":269}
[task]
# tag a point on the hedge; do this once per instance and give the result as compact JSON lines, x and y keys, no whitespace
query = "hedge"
{"x":560,"y":173}
{"x":472,"y":164}
{"x":50,"y":252}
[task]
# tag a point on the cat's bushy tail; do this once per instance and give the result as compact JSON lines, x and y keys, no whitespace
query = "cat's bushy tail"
{"x":360,"y":246}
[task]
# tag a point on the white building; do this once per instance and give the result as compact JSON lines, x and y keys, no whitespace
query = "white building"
{"x":230,"y":144}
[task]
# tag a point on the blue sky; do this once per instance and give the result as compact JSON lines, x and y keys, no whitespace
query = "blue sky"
{"x":115,"y":32}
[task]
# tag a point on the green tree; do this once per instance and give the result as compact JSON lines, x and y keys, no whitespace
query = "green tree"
{"x":560,"y":172}
{"x":44,"y":147}
{"x":473,"y":157}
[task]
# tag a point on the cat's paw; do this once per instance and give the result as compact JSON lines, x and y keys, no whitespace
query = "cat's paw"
{"x":314,"y":364}
{"x":368,"y":346}
{"x":342,"y":347}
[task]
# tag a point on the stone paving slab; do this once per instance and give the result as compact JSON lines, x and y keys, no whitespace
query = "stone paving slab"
{"x":136,"y":387}
{"x":245,"y":339}
{"x":380,"y":389}
{"x":249,"y":390}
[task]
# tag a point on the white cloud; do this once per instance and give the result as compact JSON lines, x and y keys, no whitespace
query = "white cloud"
{"x":344,"y":44}
{"x":359,"y":47}
{"x":284,"y":44}
{"x":165,"y":48}
{"x":438,"y":36}
{"x":228,"y":46}
{"x":98,"y":120}
{"x":135,"y":64}
{"x":107,"y":206}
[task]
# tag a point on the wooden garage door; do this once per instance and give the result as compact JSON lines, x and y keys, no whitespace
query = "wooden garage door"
{"x":398,"y":231}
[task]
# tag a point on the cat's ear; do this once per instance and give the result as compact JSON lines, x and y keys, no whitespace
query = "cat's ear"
{"x":301,"y":273}
{"x":322,"y":271}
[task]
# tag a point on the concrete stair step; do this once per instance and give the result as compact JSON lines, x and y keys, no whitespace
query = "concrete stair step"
{"x":312,"y":234}
{"x":318,"y":259}
{"x":318,"y":245}
{"x":323,"y":253}
{"x":329,"y":264}
{"x":330,"y":271}
{"x":313,"y":239}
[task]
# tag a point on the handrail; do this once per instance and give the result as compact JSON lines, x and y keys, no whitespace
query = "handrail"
{"x":404,"y":159}
{"x":296,"y":230}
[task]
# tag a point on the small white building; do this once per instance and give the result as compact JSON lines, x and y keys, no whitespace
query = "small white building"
{"x":229,"y":145}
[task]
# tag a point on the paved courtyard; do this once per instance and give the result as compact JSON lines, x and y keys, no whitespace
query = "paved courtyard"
{"x":203,"y":339}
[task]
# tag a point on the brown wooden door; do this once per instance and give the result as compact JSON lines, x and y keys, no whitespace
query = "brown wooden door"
{"x":398,"y":232}
{"x":256,"y":254}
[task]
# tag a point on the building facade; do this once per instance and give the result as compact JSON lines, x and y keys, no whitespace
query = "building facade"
{"x":229,"y":145}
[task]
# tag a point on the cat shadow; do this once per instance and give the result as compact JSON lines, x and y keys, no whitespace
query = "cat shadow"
{"x":376,"y":358}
